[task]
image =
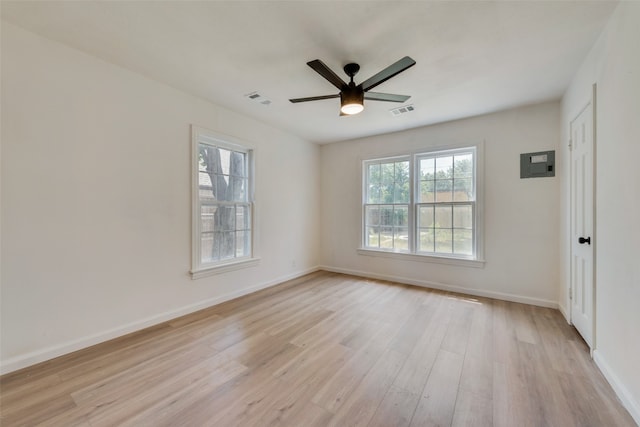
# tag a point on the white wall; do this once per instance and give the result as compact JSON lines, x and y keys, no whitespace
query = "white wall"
{"x":521,"y":215}
{"x":96,"y":201}
{"x":614,"y":65}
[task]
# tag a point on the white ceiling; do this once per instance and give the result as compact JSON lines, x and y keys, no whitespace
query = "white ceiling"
{"x":472,"y":57}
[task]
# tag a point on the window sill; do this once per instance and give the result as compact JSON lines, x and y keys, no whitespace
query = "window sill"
{"x":224,"y":268}
{"x":461,"y":262}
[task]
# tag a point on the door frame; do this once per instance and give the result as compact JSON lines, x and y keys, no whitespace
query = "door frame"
{"x":594,"y":239}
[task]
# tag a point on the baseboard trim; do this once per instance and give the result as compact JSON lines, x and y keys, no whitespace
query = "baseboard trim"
{"x":625,"y":396}
{"x":38,"y":356}
{"x":445,"y":287}
{"x":565,"y":313}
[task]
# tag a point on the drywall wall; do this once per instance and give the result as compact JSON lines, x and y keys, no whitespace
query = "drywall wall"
{"x":614,"y":66}
{"x":520,"y":215}
{"x":96,"y":201}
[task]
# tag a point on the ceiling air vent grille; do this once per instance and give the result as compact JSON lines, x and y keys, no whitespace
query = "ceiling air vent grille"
{"x":256,"y":97}
{"x":402,"y":110}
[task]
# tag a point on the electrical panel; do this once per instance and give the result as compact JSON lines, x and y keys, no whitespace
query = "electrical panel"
{"x":537,"y":165}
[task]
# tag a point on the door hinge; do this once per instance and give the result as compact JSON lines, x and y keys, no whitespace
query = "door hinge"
{"x":570,"y":144}
{"x":570,"y":294}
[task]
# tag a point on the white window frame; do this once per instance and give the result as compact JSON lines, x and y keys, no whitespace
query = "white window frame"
{"x":477,"y":259}
{"x":198,"y":268}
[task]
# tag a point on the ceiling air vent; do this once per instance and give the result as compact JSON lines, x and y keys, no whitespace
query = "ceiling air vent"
{"x":402,"y":110}
{"x":256,"y":97}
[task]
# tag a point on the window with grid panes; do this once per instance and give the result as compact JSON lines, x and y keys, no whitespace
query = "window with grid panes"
{"x":386,"y":207}
{"x":423,"y":204}
{"x":223,"y":201}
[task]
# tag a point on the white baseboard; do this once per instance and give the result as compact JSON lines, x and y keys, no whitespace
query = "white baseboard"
{"x":625,"y":396}
{"x":564,"y":312}
{"x":445,"y":287}
{"x":25,"y":360}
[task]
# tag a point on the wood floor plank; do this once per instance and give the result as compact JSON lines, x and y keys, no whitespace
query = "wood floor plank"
{"x":361,"y":405}
{"x":438,"y":399}
{"x":328,"y":349}
{"x":459,"y":327}
{"x":396,"y":408}
{"x":472,"y":410}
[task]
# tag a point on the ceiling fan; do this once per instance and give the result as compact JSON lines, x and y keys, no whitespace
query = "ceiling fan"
{"x":352,"y":96}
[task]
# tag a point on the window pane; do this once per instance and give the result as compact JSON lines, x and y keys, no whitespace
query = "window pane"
{"x":207,"y":251}
{"x":372,"y":215}
{"x":237,"y":164}
{"x":427,"y":169}
{"x":463,"y":216}
{"x":386,"y":237}
{"x":401,"y":190}
{"x":209,"y":158}
{"x":425,"y":216}
{"x":207,"y":218}
{"x":401,"y":216}
{"x":206,"y":189}
{"x":463,"y":165}
{"x":443,"y":217}
{"x":242,"y":243}
{"x":443,"y":240}
{"x":373,"y":193}
{"x":243,"y":219}
{"x":463,"y":190}
{"x":444,"y":189}
{"x":427,"y":191}
{"x":227,"y":244}
{"x":463,"y":242}
{"x":386,"y":215}
{"x":374,"y":180}
{"x":427,"y":240}
{"x":238,"y":189}
{"x":444,"y":167}
{"x":372,"y":237}
{"x":388,"y":180}
{"x":402,"y":171}
{"x":225,"y":218}
{"x":374,"y":173}
{"x":401,"y":238}
{"x":225,"y":161}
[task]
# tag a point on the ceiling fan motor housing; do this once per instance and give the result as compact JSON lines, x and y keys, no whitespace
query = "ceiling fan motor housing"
{"x":351,"y":99}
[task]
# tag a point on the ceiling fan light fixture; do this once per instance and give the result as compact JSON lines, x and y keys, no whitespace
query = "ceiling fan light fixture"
{"x":352,"y":109}
{"x":351,"y":102}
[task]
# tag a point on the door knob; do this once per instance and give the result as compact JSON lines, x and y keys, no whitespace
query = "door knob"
{"x":582,"y":240}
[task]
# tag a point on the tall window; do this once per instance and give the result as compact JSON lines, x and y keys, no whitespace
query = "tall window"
{"x":222,"y":201}
{"x":423,"y":204}
{"x":387,"y":200}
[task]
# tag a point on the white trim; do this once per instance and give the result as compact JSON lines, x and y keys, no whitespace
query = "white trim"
{"x":625,"y":396}
{"x":225,"y":268}
{"x":564,"y":312}
{"x":405,"y":256}
{"x":25,"y":360}
{"x":446,"y":287}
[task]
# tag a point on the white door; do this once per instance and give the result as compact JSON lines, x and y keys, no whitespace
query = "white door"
{"x":582,"y":224}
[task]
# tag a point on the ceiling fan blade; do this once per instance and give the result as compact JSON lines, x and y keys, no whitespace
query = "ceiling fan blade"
{"x":326,"y":72}
{"x":391,"y":97}
{"x":314,"y":98}
{"x":387,"y":73}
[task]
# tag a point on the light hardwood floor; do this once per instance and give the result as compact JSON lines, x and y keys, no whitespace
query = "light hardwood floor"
{"x":328,"y":350}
